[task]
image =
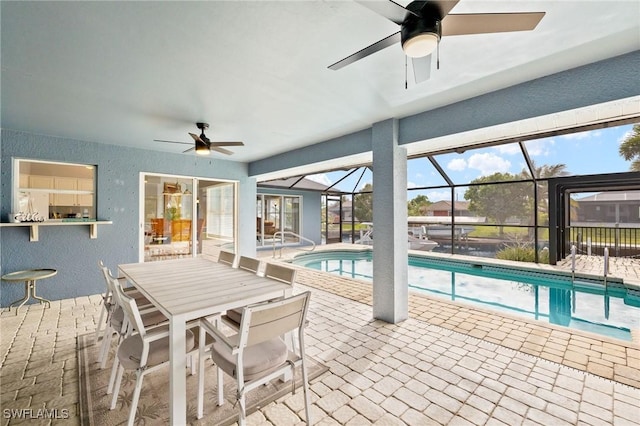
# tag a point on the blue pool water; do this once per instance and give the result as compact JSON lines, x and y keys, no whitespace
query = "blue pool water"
{"x":582,"y":304}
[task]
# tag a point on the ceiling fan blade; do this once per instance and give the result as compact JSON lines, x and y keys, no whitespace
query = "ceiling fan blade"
{"x":182,"y":143}
{"x":222,"y":150}
{"x":187,"y":150}
{"x":196,"y":137}
{"x":444,"y":6}
{"x":369,"y":50}
{"x":388,"y":9}
{"x":483,"y":23}
{"x":227,"y":144}
{"x":421,"y":68}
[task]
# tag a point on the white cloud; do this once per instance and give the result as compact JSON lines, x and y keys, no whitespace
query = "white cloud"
{"x":582,"y":135}
{"x":363,"y":184}
{"x":439,"y":195}
{"x":411,"y":184}
{"x":320,"y":178}
{"x":508,"y":149}
{"x":625,"y":136}
{"x":540,"y":147}
{"x":457,"y":164}
{"x":488,"y":163}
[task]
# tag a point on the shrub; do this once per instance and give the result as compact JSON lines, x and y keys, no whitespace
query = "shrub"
{"x":523,"y":253}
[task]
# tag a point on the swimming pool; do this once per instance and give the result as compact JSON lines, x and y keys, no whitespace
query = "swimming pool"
{"x":581,"y":304}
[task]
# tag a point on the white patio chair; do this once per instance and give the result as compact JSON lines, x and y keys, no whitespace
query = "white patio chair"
{"x":107,"y":302}
{"x":257,"y":354}
{"x":227,"y":258}
{"x":274,"y":271}
{"x":144,"y":350}
{"x":280,"y":272}
{"x":115,"y":323}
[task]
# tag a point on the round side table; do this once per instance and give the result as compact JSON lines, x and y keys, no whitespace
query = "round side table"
{"x":29,"y":277}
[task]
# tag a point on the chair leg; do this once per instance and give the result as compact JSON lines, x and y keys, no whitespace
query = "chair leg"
{"x":136,"y":397}
{"x":114,"y":398}
{"x":100,"y":321}
{"x":192,"y":364}
{"x":305,"y":387}
{"x":104,"y":349}
{"x":112,"y":378}
{"x":243,"y":414}
{"x":220,"y":375}
{"x":305,"y":377}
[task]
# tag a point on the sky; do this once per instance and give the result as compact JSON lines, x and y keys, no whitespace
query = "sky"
{"x":590,"y":152}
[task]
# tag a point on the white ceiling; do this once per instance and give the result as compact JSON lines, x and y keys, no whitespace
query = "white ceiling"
{"x":127,"y":73}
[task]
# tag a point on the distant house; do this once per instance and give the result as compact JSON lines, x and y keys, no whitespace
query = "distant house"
{"x":334,"y":212}
{"x":443,"y":208}
{"x":437,"y":217}
{"x":610,"y":207}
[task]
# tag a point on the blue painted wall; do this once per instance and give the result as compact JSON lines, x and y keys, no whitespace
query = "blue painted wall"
{"x":607,"y":80}
{"x":311,"y":211}
{"x":69,"y":248}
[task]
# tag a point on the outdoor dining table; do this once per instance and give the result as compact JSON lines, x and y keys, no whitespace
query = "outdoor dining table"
{"x":191,"y":288}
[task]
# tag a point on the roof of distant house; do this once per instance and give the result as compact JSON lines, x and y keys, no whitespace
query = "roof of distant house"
{"x":612,"y":196}
{"x":335,"y":205}
{"x":446,"y":205}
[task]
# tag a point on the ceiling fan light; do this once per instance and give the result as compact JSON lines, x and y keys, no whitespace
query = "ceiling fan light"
{"x":421,"y":45}
{"x":202,"y":148}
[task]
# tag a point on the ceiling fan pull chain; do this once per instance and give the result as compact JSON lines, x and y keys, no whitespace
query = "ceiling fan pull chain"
{"x":405,"y":73}
{"x":438,"y":55}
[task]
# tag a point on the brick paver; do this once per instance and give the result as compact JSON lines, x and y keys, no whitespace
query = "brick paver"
{"x":417,"y":372}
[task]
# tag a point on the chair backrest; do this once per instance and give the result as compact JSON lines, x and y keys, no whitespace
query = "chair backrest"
{"x":265,"y":321}
{"x":280,"y":273}
{"x":129,"y":306}
{"x":107,"y":277}
{"x":249,"y":264}
{"x":105,"y":272}
{"x":227,"y":258}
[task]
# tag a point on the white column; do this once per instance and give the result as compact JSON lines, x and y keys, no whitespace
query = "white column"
{"x":246,"y":214}
{"x":390,"y":247}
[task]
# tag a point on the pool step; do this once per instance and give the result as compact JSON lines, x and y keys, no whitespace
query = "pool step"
{"x":632,"y":298}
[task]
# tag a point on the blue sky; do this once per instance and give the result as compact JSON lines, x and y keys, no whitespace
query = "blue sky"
{"x":590,"y":152}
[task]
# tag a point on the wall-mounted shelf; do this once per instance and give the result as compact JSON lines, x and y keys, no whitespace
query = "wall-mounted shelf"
{"x":33,"y":233}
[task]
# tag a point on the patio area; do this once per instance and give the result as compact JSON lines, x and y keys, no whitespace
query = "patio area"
{"x":446,"y":364}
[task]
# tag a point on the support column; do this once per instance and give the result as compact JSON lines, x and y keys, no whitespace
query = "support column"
{"x":390,"y":248}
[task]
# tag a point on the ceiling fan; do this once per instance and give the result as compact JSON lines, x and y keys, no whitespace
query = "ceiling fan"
{"x":424,"y":23}
{"x":203,"y":144}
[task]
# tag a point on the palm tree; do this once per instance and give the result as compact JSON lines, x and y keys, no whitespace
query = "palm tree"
{"x":630,"y":148}
{"x":544,"y":171}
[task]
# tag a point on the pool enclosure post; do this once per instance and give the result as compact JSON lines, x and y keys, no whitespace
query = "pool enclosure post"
{"x":390,"y":244}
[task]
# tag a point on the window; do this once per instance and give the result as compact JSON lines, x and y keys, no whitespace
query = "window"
{"x":54,"y":191}
{"x":277,"y":213}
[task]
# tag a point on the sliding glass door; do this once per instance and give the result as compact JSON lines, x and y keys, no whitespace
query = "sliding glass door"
{"x":185,"y":217}
{"x":277,"y":219}
{"x":218,"y":216}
